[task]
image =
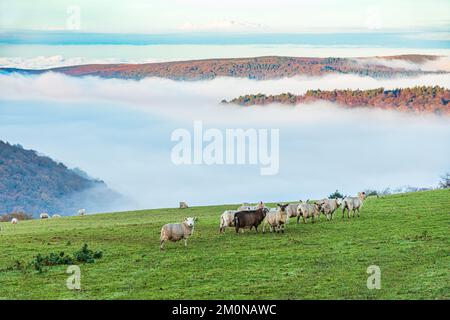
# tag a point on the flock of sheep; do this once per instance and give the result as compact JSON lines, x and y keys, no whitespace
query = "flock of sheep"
{"x":247,"y":216}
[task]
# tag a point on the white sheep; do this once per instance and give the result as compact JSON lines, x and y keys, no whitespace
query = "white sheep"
{"x":292,"y":209}
{"x":329,"y":206}
{"x":44,"y":215}
{"x":247,"y":207}
{"x":81,"y":212}
{"x":14,"y":221}
{"x":306,"y":210}
{"x":276,"y":219}
{"x":353,"y":204}
{"x":227,"y":220}
{"x":177,"y":231}
{"x":56,"y":216}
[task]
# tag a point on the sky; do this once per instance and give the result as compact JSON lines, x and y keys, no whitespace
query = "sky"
{"x":155,"y":16}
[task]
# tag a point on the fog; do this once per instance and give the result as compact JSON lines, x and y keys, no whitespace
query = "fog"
{"x":119,"y":131}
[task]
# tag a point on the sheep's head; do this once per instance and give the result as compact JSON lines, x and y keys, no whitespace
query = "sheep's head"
{"x":338,"y":201}
{"x":362,"y":195}
{"x":282,"y":207}
{"x":190,"y":221}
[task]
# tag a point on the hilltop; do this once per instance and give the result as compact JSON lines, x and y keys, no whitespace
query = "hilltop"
{"x":418,"y":99}
{"x":34,"y":183}
{"x":406,"y":235}
{"x":260,"y":68}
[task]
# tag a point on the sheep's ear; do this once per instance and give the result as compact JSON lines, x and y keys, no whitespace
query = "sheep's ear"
{"x":195,"y":218}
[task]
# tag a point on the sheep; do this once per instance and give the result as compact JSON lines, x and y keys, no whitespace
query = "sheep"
{"x":249,"y":218}
{"x":276,"y":219}
{"x":81,"y":212}
{"x":183,"y":205}
{"x":247,"y":207}
{"x":329,"y":206}
{"x":44,"y":216}
{"x":14,"y":221}
{"x":353,"y":204}
{"x":56,"y":216}
{"x":292,"y":210}
{"x":227,"y":220}
{"x":177,"y":231}
{"x":306,"y":210}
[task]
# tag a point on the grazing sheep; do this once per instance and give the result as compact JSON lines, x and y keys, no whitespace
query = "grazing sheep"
{"x":177,"y":231}
{"x":249,"y":218}
{"x":306,"y":210}
{"x":44,"y":216}
{"x":81,"y":212}
{"x":56,"y":216}
{"x":14,"y":221}
{"x":353,"y":204}
{"x":227,"y":220}
{"x":276,"y":219}
{"x":183,"y":205}
{"x":329,"y":206}
{"x":292,"y":210}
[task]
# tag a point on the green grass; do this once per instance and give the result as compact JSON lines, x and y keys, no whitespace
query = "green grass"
{"x":406,"y":235}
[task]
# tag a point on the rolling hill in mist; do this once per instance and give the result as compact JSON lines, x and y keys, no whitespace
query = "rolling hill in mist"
{"x":260,"y":68}
{"x":33,"y":184}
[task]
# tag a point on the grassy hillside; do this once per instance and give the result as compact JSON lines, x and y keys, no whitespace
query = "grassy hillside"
{"x":406,"y":235}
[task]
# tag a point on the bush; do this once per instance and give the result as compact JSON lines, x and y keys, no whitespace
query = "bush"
{"x":445,"y":181}
{"x":84,"y":255}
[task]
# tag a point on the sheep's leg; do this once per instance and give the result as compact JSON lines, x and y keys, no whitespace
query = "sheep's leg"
{"x":264,"y":228}
{"x":358,"y":213}
{"x":161,"y":245}
{"x":298,"y":219}
{"x":343,"y":213}
{"x":256,"y":228}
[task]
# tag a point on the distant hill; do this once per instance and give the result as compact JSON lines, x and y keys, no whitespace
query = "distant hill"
{"x":418,"y":99}
{"x":33,"y":183}
{"x":271,"y":67}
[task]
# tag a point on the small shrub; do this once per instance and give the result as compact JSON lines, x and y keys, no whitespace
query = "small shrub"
{"x":335,"y":195}
{"x":84,"y":255}
{"x":87,"y":255}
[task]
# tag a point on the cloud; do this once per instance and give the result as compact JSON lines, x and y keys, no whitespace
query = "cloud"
{"x":222,"y":25}
{"x":187,"y":101}
{"x":119,"y":131}
{"x":441,"y":63}
{"x":46,"y":62}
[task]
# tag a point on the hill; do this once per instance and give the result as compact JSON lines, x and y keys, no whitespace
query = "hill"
{"x":406,"y":235}
{"x":271,"y":67}
{"x":418,"y":99}
{"x":33,"y":183}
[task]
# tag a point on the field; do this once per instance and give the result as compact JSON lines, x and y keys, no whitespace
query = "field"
{"x":406,"y":235}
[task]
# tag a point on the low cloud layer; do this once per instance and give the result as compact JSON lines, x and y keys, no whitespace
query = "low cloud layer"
{"x":120,"y":131}
{"x":188,"y":101}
